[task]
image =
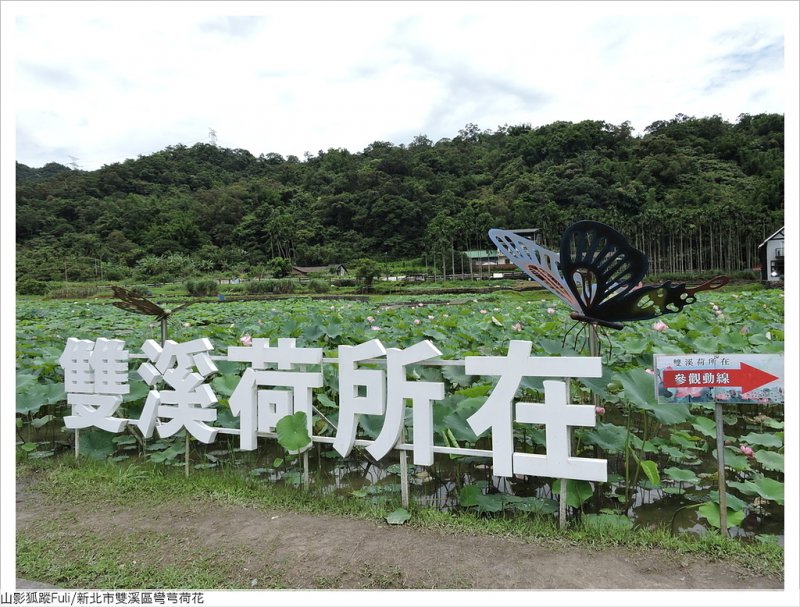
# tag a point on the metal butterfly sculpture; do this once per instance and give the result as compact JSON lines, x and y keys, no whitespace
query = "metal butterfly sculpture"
{"x":139,"y":305}
{"x":598,"y":273}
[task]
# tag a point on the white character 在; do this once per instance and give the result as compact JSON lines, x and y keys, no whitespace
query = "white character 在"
{"x":95,"y":377}
{"x":259,"y":410}
{"x":555,"y":413}
{"x":420,"y":393}
{"x":188,"y":403}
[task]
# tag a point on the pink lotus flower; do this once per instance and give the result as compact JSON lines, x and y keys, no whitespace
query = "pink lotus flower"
{"x":374,"y":328}
{"x":690,"y":392}
{"x":551,"y":310}
{"x":483,"y":311}
{"x":517,"y":327}
{"x":599,"y":410}
{"x":660,"y":326}
{"x":246,"y":340}
{"x":748,"y":451}
{"x":417,"y":321}
{"x":431,"y":317}
{"x":649,"y":371}
{"x":370,"y":319}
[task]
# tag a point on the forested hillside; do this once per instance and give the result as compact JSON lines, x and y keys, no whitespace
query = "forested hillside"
{"x":694,"y":193}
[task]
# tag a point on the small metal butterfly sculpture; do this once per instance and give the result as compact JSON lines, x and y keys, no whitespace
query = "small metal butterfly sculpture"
{"x":598,"y":273}
{"x":139,"y":305}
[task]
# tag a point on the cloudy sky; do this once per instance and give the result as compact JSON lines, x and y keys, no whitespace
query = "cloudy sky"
{"x":98,"y":83}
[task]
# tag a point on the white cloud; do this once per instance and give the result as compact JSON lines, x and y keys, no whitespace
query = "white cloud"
{"x":109,"y":85}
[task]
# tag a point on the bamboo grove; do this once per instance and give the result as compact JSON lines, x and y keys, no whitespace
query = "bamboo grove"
{"x":696,"y":194}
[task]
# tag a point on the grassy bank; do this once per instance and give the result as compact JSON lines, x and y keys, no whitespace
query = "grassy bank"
{"x":46,"y":552}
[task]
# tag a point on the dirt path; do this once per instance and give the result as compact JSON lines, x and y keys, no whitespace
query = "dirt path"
{"x":267,"y":549}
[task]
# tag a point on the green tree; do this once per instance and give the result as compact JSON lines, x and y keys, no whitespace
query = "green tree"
{"x":280,"y":267}
{"x":366,"y":271}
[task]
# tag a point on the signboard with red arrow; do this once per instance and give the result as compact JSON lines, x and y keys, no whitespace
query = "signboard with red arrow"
{"x":732,"y":378}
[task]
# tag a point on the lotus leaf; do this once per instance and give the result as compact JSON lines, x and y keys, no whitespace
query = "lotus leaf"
{"x":710,"y":511}
{"x":765,"y":440}
{"x":705,"y":426}
{"x":609,"y":437}
{"x":770,"y":460}
{"x":292,"y":432}
{"x":468,"y":496}
{"x":682,"y":476}
{"x":650,"y":469}
{"x":398,"y":517}
{"x":577,"y":491}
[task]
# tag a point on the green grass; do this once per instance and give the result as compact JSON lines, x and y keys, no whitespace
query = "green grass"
{"x":90,"y":561}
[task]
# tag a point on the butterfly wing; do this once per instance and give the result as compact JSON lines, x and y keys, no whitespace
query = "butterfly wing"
{"x":134,"y":303}
{"x":541,"y":264}
{"x":181,"y":307}
{"x":599,"y":265}
{"x":604,"y":273}
{"x":652,"y":301}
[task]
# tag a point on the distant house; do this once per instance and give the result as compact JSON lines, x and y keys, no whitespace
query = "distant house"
{"x":770,"y":252}
{"x":309,"y":271}
{"x":485,"y":258}
{"x":492,"y":259}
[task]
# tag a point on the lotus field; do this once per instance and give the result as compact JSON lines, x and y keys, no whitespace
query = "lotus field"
{"x":661,"y":457}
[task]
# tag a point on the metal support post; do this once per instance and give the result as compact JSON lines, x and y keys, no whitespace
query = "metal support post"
{"x":404,"y":478}
{"x":723,"y":497}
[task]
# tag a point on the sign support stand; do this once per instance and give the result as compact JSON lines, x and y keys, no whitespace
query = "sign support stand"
{"x":77,"y":443}
{"x":723,"y":498}
{"x":594,"y":350}
{"x":404,"y":475}
{"x":186,"y":456}
{"x":305,"y":470}
{"x":562,"y":504}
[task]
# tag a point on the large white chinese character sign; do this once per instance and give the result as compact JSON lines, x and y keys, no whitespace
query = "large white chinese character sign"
{"x":95,"y":378}
{"x":187,"y":404}
{"x":280,"y":380}
{"x":260,"y":409}
{"x":554,"y":413}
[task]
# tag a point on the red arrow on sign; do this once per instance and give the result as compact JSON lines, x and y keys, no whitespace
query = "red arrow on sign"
{"x":745,"y":377}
